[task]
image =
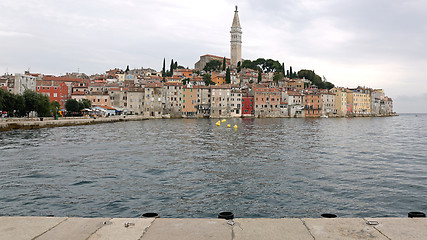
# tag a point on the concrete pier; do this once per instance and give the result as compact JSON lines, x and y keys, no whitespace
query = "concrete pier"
{"x":242,"y":228}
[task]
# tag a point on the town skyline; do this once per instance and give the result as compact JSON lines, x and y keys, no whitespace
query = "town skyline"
{"x":385,"y":52}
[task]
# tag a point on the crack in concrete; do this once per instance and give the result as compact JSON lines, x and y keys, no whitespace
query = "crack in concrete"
{"x":101,"y":226}
{"x":146,"y":229}
{"x":49,"y":229}
{"x":308,"y":229}
{"x":378,"y":230}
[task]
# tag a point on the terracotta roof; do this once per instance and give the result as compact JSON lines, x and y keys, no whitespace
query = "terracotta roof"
{"x":257,"y":89}
{"x":107,"y":107}
{"x":173,"y":84}
{"x":153,"y":85}
{"x":64,"y":79}
{"x":293,"y":93}
{"x":210,"y":55}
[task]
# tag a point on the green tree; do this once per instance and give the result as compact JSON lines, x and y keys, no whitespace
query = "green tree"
{"x":43,"y":106}
{"x":291,"y":73}
{"x":277,"y":76}
{"x":31,"y":101}
{"x":259,"y":75}
{"x":127,"y":69}
{"x":20,"y":106}
{"x":54,"y":107}
{"x":86,"y":103}
{"x":71,"y":105}
{"x":8,"y":102}
{"x":315,"y":79}
{"x":239,"y":66}
{"x":164,"y":68}
{"x":227,"y":76}
{"x":212,"y":65}
{"x":223,"y":64}
{"x":2,"y":95}
{"x":207,"y":78}
{"x":185,"y":81}
{"x":171,"y":69}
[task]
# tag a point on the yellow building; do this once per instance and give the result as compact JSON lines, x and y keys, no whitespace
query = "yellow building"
{"x":120,"y":77}
{"x":340,"y":100}
{"x":359,"y":101}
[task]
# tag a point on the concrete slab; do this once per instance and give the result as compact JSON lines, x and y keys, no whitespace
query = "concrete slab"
{"x":74,"y":228}
{"x":26,"y":227}
{"x":402,"y":228}
{"x":123,"y":228}
{"x":270,"y":229}
{"x":341,"y":229}
{"x":188,"y":229}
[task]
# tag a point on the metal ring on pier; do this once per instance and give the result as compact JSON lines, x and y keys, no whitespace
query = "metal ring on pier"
{"x":328,"y":215}
{"x":150,"y":215}
{"x":226,"y":215}
{"x":416,"y":215}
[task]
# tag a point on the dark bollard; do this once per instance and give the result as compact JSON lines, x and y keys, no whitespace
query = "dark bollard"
{"x":226,"y":215}
{"x":150,"y":215}
{"x":328,"y":215}
{"x":416,"y":215}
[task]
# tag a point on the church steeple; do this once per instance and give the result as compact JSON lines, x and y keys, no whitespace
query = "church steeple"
{"x":236,"y":22}
{"x":236,"y":40}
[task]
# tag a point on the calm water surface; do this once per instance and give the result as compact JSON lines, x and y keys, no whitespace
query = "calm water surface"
{"x":360,"y":167}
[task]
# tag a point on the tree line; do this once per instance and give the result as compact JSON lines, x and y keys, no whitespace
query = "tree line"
{"x":21,"y":105}
{"x":269,"y":65}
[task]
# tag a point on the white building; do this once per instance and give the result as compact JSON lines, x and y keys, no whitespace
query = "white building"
{"x":24,"y":82}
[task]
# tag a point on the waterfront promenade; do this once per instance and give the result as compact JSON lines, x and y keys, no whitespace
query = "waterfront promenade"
{"x":58,"y":228}
{"x":34,"y":123}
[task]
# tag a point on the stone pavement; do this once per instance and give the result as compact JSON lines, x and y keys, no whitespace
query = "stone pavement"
{"x":57,"y":228}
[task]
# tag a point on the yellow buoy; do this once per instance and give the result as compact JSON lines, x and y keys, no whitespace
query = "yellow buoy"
{"x":218,"y":124}
{"x":223,"y":120}
{"x":235,"y":127}
{"x":228,"y":125}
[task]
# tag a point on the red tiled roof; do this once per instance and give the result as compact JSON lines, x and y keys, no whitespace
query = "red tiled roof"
{"x":153,"y":85}
{"x":265,"y":89}
{"x":107,"y":107}
{"x":173,"y":84}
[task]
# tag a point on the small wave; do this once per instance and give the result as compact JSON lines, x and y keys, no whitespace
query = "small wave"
{"x":81,"y":183}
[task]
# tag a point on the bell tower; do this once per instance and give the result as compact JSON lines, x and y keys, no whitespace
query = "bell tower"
{"x":236,"y":40}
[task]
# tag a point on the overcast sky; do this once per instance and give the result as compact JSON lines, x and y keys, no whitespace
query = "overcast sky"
{"x":373,"y":43}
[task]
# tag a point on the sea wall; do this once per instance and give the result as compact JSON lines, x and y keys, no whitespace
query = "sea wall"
{"x":34,"y":123}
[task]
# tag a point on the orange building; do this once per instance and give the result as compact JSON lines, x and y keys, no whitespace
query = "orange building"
{"x":186,"y":73}
{"x":313,"y":105}
{"x":218,"y":78}
{"x":267,"y":101}
{"x":294,"y":84}
{"x":189,"y":102}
